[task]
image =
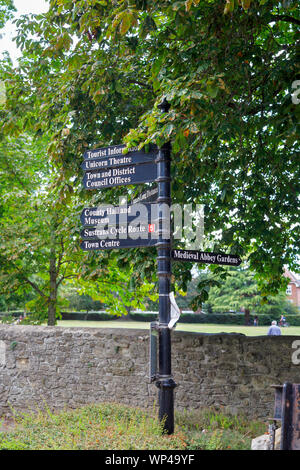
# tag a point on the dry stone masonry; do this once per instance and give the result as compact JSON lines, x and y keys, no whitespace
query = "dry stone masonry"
{"x":70,"y":367}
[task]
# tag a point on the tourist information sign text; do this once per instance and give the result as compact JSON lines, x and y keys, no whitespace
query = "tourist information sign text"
{"x":112,"y":157}
{"x":115,"y":150}
{"x":206,"y":257}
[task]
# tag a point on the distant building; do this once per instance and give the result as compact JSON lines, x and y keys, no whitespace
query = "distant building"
{"x":293,"y":288}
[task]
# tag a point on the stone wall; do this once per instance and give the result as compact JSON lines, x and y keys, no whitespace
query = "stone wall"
{"x":69,"y":367}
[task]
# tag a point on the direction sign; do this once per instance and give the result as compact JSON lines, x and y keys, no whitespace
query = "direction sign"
{"x":123,"y":231}
{"x":108,"y":244}
{"x":110,"y":151}
{"x":206,"y":257}
{"x":131,"y":158}
{"x":150,"y":195}
{"x":121,"y":176}
{"x":108,"y":214}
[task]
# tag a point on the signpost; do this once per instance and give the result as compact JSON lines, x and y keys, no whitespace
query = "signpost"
{"x":165,"y":382}
{"x":108,"y":227}
{"x":117,"y":151}
{"x":131,"y":158}
{"x":109,"y":244}
{"x":134,"y":231}
{"x":108,"y":214}
{"x":148,"y":196}
{"x":121,"y":176}
{"x":206,"y":257}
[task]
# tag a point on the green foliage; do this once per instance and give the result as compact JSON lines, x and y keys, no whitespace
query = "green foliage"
{"x":221,"y":318}
{"x":102,"y":427}
{"x":114,"y":426}
{"x":78,"y":302}
{"x":139,"y":316}
{"x":92,"y":74}
{"x":197,"y":292}
{"x":13,"y":313}
{"x":40,"y":239}
{"x":33,"y":235}
{"x":14,"y":300}
{"x":7,"y":319}
{"x":2,"y":94}
{"x":240,"y":290}
{"x":6,"y":11}
{"x":238,"y":318}
{"x":214,"y":429}
{"x":12,"y":444}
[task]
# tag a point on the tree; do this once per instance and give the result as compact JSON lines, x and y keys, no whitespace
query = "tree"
{"x":228,"y":78}
{"x":15,"y":301}
{"x":79,"y":302}
{"x":34,"y":250}
{"x":6,"y":11}
{"x":240,"y":292}
{"x":39,"y":242}
{"x":226,"y":69}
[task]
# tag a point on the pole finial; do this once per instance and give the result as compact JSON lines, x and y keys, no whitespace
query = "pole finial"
{"x":164,"y":106}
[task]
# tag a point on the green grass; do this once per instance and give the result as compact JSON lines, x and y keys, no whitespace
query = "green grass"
{"x":199,"y":328}
{"x":117,"y":427}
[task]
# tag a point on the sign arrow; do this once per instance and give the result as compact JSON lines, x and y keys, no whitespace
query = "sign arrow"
{"x":109,"y":244}
{"x":108,"y":214}
{"x":115,"y":150}
{"x":206,"y":257}
{"x":121,"y":231}
{"x":121,"y":176}
{"x":150,"y":195}
{"x":131,"y":158}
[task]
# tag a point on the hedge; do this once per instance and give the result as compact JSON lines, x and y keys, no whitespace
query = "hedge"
{"x":144,"y":316}
{"x":90,"y":316}
{"x":218,"y":318}
{"x":215,"y":318}
{"x":12,"y":313}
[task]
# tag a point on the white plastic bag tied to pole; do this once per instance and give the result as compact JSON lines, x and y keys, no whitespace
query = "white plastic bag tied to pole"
{"x":175,"y":311}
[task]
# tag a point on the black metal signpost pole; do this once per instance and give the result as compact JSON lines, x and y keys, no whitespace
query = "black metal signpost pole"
{"x":165,"y":382}
{"x":106,"y":168}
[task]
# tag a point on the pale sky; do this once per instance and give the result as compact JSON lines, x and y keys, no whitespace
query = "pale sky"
{"x":9,"y":32}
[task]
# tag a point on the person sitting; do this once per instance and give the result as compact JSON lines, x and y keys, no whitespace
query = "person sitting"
{"x":274,"y":330}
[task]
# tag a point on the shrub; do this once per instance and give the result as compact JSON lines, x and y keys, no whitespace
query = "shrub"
{"x":109,"y":426}
{"x":218,"y":318}
{"x":144,"y":316}
{"x":12,"y":313}
{"x":90,"y":316}
{"x":93,"y":427}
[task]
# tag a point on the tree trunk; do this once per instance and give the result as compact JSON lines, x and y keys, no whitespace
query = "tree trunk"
{"x":53,"y":285}
{"x":52,"y":312}
{"x":247,"y":316}
{"x":126,"y":316}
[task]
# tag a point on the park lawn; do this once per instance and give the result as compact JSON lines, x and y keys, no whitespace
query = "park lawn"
{"x":193,"y":327}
